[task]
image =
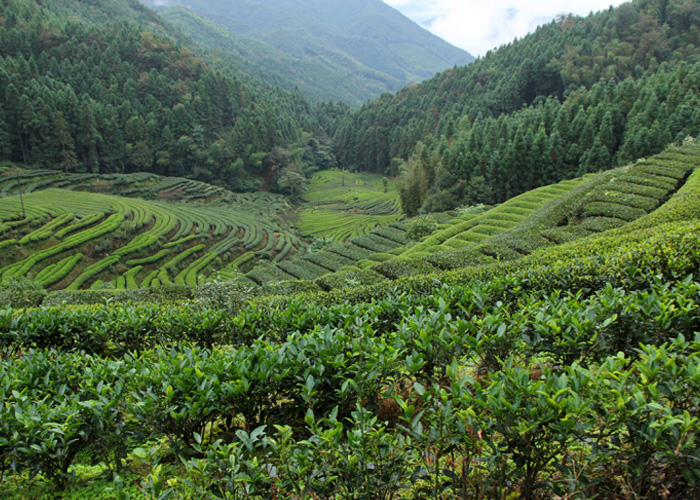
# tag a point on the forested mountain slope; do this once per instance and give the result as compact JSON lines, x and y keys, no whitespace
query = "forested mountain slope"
{"x":107,"y":87}
{"x":331,"y":49}
{"x":315,"y":79}
{"x":578,"y":95}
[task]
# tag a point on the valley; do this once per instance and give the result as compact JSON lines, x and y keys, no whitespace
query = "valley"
{"x":243,"y":255}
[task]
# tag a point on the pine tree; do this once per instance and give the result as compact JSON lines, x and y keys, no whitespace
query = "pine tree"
{"x":596,"y":159}
{"x":605,"y":132}
{"x":555,"y":156}
{"x":5,"y":141}
{"x":88,"y":137}
{"x":409,"y":195}
{"x":539,"y":161}
{"x":64,"y":143}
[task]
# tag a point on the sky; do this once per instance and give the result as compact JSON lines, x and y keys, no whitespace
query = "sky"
{"x":480,"y":25}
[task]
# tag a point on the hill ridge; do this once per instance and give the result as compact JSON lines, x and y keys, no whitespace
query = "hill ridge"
{"x":374,"y":47}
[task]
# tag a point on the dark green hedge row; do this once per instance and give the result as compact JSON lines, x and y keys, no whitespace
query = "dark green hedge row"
{"x":642,"y":202}
{"x":374,"y":244}
{"x":303,"y":270}
{"x":396,"y":371}
{"x":617,"y":210}
{"x":601,"y":224}
{"x":653,"y":187}
{"x":393,"y":234}
{"x":328,"y":260}
{"x":350,"y":251}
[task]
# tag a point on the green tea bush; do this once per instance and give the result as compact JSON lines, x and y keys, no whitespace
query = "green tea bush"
{"x":632,"y":200}
{"x":303,"y":270}
{"x":601,"y":224}
{"x":265,"y":273}
{"x":21,"y":292}
{"x":393,"y":234}
{"x":331,"y":261}
{"x":643,"y":186}
{"x":619,"y":211}
{"x":374,"y":244}
{"x":397,"y":268}
{"x":289,"y":287}
{"x":510,"y":425}
{"x":347,"y":277}
{"x":350,"y":251}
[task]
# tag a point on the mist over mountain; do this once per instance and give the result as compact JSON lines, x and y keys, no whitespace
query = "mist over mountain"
{"x":330,"y":49}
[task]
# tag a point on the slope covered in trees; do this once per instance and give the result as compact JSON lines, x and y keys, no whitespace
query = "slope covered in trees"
{"x":330,"y":49}
{"x":107,"y":87}
{"x":578,"y":95}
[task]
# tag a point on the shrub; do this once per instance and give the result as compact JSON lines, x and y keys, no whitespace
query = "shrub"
{"x":319,"y":244}
{"x":421,"y":227}
{"x":21,"y":292}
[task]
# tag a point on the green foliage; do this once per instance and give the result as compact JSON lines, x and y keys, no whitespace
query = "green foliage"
{"x":319,"y":60}
{"x":354,"y":363}
{"x":144,"y":234}
{"x":318,"y":244}
{"x":539,"y":359}
{"x":20,"y":293}
{"x":152,"y":123}
{"x":342,"y":205}
{"x":579,"y":95}
{"x":421,"y":227}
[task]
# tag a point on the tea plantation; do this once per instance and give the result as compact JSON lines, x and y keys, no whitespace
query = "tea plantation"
{"x":77,"y":239}
{"x":556,"y":357}
{"x":340,"y":205}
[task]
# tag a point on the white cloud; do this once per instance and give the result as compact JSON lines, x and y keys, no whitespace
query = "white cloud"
{"x":480,"y":26}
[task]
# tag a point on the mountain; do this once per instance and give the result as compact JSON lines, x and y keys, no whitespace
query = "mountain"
{"x":110,"y":87}
{"x":579,"y":95}
{"x":330,"y":49}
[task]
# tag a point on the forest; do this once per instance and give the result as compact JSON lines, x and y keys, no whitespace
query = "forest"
{"x":83,"y":95}
{"x":115,"y":98}
{"x":578,"y":95}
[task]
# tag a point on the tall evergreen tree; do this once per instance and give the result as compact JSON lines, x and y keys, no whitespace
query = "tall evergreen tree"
{"x":64,"y":143}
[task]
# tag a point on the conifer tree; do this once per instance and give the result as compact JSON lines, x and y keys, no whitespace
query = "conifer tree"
{"x":64,"y":143}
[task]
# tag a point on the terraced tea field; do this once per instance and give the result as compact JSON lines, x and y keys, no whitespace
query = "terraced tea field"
{"x":74,"y":239}
{"x":571,"y":327}
{"x":371,"y":248}
{"x":479,"y":226}
{"x":584,"y":352}
{"x":342,"y":205}
{"x":540,"y":218}
{"x":77,"y":239}
{"x":141,"y":185}
{"x":551,"y":215}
